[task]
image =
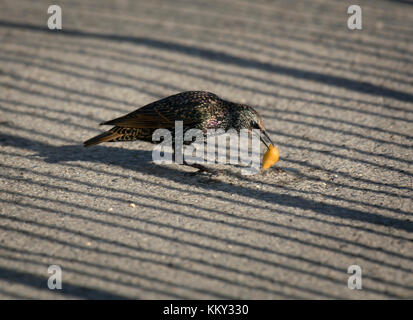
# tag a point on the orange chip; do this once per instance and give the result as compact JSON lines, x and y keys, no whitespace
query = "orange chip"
{"x":270,"y":157}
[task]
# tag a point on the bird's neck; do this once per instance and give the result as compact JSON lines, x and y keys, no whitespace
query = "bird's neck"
{"x":237,"y":114}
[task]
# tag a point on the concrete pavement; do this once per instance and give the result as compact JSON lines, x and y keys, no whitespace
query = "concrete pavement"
{"x":338,"y":103}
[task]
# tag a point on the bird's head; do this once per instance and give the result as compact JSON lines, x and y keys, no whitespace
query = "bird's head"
{"x":248,"y":118}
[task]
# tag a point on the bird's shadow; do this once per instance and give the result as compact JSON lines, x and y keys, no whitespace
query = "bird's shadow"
{"x":104,"y":154}
{"x":136,"y":160}
{"x":131,"y":159}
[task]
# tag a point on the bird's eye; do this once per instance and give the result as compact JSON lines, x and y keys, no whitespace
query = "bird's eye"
{"x":254,"y":125}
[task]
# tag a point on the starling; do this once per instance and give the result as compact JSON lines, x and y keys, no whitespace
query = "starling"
{"x":196,"y":109}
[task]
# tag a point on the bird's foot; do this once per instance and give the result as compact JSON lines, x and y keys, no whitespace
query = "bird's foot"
{"x":202,"y":170}
{"x":273,"y":170}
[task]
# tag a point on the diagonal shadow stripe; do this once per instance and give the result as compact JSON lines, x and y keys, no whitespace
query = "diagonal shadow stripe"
{"x":37,"y":282}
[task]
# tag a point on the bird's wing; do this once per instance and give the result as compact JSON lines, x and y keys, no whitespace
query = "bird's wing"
{"x":159,"y":115}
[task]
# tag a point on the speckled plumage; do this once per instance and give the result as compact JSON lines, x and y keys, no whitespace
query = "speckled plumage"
{"x":197,"y":109}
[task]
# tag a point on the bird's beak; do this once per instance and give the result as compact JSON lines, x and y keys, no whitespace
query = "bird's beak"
{"x":265,"y":138}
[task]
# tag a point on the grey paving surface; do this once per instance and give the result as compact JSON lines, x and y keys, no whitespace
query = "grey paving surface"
{"x":338,"y":103}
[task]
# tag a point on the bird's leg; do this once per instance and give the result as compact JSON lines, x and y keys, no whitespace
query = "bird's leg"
{"x":198,"y":166}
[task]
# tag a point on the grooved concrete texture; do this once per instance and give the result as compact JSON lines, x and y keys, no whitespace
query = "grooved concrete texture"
{"x":338,"y":104}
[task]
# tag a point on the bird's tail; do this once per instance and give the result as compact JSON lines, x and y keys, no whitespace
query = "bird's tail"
{"x":103,"y":137}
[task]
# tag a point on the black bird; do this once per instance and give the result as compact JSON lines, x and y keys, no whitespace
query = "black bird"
{"x":196,"y":109}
